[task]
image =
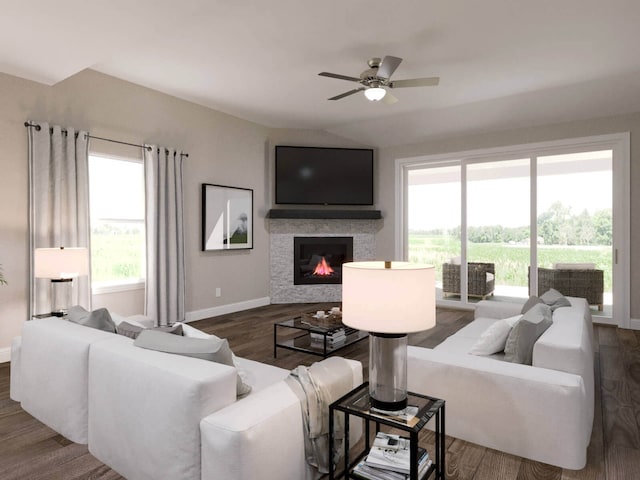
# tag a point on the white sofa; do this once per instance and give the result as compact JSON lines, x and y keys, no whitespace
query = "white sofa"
{"x":151,"y":415}
{"x":543,"y":412}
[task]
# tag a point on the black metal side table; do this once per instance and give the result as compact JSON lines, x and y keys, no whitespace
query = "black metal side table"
{"x":357,"y":403}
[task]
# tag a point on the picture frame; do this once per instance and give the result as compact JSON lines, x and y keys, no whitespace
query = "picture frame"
{"x":227,"y":218}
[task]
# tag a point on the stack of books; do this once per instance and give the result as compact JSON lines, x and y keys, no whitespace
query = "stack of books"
{"x":334,"y":337}
{"x":389,"y":459}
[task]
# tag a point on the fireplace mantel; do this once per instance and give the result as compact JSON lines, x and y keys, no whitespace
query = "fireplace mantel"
{"x":324,"y":214}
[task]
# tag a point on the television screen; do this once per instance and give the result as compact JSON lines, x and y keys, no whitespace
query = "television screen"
{"x":324,"y":176}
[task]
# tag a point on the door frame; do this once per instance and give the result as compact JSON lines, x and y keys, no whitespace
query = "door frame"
{"x":618,"y":143}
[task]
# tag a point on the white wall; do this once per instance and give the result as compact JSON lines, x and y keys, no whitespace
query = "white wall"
{"x":624,"y":123}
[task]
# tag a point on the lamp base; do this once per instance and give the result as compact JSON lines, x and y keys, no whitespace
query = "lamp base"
{"x":388,"y":371}
{"x":61,"y":293}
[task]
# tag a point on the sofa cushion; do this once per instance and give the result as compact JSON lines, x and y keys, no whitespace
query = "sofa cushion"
{"x":533,"y":300}
{"x":523,"y":336}
{"x":212,"y":349}
{"x":492,"y":340}
{"x":131,"y":330}
{"x":555,"y":299}
{"x":100,"y":318}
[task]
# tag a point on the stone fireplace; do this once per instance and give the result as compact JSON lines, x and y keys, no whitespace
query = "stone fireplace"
{"x":282,"y":234}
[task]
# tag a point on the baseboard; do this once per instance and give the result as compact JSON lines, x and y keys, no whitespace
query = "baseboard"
{"x":604,"y":321}
{"x":5,"y":355}
{"x":634,"y":324}
{"x":224,"y":309}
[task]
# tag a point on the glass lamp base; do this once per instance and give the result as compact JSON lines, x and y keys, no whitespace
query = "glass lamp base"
{"x":61,"y":289}
{"x":388,"y":371}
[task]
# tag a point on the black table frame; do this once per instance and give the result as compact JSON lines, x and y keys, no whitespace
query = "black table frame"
{"x":326,"y":349}
{"x":434,"y":407}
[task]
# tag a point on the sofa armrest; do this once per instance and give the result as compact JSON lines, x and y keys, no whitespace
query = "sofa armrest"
{"x":14,"y":385}
{"x":509,"y":407}
{"x":261,"y":436}
{"x":498,"y":310}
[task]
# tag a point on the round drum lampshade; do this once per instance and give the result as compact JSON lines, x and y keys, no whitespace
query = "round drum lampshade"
{"x":399,"y":299}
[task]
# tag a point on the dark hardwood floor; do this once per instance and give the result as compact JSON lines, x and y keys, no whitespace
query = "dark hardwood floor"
{"x":30,"y":450}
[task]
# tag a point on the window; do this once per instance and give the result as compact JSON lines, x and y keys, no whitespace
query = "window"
{"x":505,"y":209}
{"x":117,"y":210}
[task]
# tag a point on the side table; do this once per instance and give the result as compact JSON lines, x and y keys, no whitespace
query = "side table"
{"x":357,"y":403}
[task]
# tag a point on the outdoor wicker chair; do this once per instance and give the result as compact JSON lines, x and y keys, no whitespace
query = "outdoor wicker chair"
{"x":479,"y":284}
{"x":588,"y":284}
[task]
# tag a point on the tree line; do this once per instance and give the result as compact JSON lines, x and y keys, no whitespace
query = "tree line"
{"x":556,"y":226}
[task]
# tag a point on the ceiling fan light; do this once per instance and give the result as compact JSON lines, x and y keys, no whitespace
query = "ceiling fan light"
{"x":375,"y":93}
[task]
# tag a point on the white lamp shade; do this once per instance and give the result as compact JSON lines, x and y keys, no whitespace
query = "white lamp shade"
{"x":400,"y":299}
{"x":375,"y":93}
{"x":61,"y":262}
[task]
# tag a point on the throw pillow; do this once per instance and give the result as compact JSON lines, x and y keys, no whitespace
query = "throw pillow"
{"x":555,"y":299}
{"x":525,"y":333}
{"x":99,"y":319}
{"x":533,"y":300}
{"x":132,"y":330}
{"x":212,"y":349}
{"x":492,"y":339}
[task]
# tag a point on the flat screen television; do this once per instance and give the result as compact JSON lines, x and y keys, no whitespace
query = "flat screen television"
{"x":323,"y":176}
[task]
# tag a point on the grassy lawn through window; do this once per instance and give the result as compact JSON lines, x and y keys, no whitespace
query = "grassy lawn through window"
{"x":511,"y":260}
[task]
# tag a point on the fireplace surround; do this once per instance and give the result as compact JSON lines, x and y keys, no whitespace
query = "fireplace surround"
{"x":282,"y":232}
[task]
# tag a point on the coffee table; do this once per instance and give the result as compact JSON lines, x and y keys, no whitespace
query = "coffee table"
{"x":294,"y":334}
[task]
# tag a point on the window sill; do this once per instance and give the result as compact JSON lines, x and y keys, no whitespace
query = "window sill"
{"x":116,"y":287}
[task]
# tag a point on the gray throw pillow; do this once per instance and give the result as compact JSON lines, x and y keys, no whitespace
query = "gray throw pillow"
{"x":555,"y":299}
{"x":212,"y":349}
{"x":523,"y":336}
{"x":533,"y":300}
{"x":100,"y":318}
{"x":132,"y":331}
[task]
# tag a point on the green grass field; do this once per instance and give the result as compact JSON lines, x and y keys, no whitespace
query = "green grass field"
{"x":511,"y":261}
{"x":116,"y":257}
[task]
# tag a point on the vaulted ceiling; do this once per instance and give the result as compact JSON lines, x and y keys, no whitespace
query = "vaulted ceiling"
{"x":501,"y":63}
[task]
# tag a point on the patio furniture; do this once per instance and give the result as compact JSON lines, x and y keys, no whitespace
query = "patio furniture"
{"x":573,"y":282}
{"x":481,"y":279}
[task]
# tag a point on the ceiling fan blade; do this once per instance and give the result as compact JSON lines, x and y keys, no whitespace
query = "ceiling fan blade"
{"x":415,"y":82}
{"x":389,"y":99}
{"x":388,"y":66}
{"x":346,"y":94}
{"x":339,"y":77}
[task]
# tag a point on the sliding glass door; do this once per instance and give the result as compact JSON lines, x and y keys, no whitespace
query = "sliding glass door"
{"x":484,"y":219}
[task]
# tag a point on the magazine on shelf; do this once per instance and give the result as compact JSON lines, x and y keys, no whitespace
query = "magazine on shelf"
{"x":365,"y":472}
{"x":392,"y":452}
{"x":408,"y":416}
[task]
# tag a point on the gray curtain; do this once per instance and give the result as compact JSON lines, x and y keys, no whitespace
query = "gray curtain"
{"x":165,"y":290}
{"x":58,"y":203}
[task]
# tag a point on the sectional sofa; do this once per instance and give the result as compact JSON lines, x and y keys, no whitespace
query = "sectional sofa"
{"x":542,"y":411}
{"x":150,"y":415}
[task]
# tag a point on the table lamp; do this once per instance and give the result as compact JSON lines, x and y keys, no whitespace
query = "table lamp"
{"x":61,"y":265}
{"x":389,"y":300}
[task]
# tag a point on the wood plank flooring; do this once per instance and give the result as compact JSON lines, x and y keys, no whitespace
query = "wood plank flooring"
{"x":30,"y":450}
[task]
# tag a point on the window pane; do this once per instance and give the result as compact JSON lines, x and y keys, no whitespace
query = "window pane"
{"x":434,"y":218}
{"x":498,"y":232}
{"x":117,"y":220}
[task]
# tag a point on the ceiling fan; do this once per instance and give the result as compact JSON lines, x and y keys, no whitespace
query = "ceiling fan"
{"x":377,"y":79}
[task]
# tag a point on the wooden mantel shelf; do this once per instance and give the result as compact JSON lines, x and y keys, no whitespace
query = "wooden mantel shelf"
{"x":324,"y":214}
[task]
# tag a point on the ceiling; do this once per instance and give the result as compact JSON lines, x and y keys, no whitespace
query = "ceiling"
{"x":502,"y":63}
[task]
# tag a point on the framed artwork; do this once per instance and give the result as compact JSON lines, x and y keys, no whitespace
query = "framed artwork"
{"x":227,"y":218}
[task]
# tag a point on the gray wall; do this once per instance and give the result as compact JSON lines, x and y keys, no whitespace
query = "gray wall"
{"x":222,"y":149}
{"x":626,"y":123}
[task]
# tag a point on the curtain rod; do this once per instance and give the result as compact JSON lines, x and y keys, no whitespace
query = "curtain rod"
{"x":147,"y":147}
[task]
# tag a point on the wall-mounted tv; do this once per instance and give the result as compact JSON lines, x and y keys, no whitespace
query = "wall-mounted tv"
{"x":323,"y":176}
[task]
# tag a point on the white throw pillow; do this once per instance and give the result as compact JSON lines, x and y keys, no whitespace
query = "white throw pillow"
{"x":493,"y":339}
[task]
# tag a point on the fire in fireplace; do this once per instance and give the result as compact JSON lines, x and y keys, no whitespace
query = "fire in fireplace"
{"x":318,"y":260}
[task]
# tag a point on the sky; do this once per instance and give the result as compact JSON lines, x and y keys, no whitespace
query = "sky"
{"x":505,"y":201}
